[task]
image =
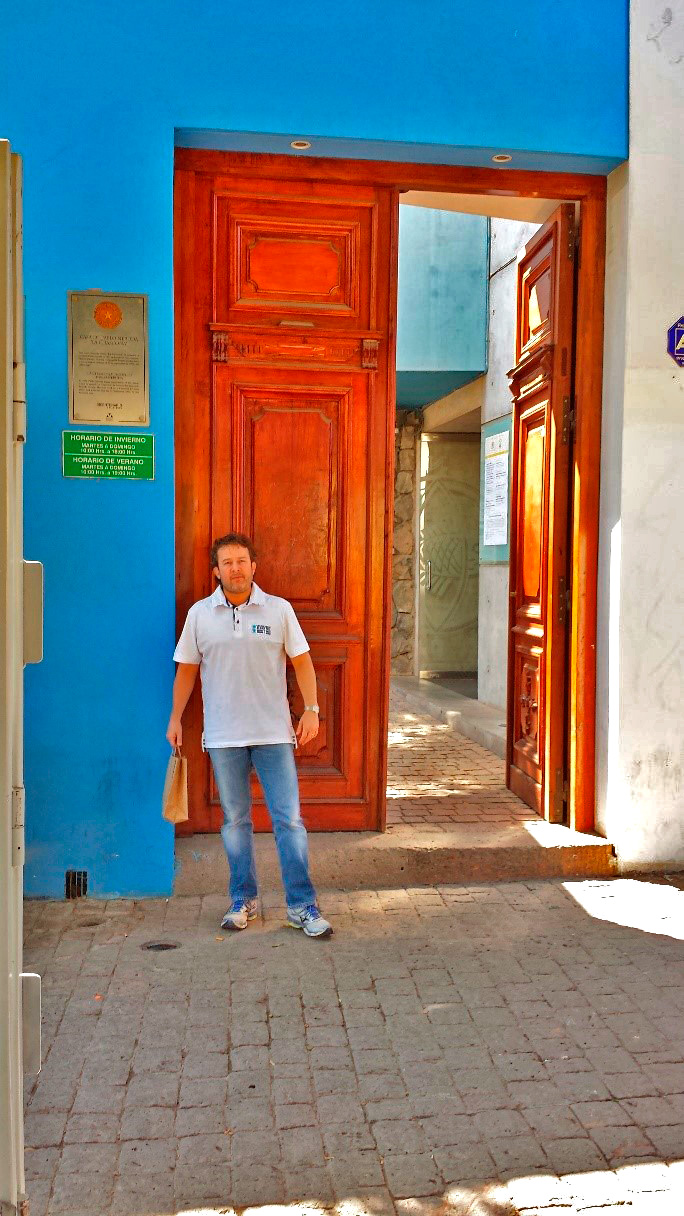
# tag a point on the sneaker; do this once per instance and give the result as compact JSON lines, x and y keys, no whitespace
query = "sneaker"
{"x":310,"y":920}
{"x":239,"y":913}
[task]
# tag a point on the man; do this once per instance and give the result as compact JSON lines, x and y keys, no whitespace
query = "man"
{"x":238,"y":638}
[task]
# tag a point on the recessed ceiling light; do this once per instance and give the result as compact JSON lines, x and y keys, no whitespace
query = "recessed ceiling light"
{"x":502,"y":158}
{"x":300,"y":145}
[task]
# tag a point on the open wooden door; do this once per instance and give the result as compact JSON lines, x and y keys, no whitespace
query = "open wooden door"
{"x":285,"y":295}
{"x":541,"y":384}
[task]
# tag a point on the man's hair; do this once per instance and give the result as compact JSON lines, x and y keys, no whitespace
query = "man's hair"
{"x":232,"y":538}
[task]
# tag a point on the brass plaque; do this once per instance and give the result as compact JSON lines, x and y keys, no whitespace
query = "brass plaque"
{"x":108,"y":359}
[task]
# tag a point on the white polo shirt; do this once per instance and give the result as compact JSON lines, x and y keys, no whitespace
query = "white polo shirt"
{"x":241,"y":652}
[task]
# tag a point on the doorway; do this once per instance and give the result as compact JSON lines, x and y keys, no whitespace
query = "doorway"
{"x":245,"y":348}
{"x":448,"y":557}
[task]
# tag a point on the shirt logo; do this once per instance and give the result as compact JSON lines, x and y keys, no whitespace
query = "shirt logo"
{"x":266,"y":629}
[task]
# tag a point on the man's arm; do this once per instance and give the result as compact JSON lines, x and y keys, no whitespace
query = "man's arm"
{"x":182,"y":688}
{"x":306,"y":678}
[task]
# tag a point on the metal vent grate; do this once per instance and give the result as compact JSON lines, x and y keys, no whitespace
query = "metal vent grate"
{"x":75,"y":884}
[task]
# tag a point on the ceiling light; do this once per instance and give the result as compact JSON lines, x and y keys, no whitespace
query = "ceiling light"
{"x":300,"y":145}
{"x":502,"y":158}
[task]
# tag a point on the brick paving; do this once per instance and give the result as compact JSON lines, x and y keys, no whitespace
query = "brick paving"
{"x":490,"y":1050}
{"x":436,"y":777}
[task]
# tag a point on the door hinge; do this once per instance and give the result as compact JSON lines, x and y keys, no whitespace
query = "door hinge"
{"x":564,"y":600}
{"x":19,"y":403}
{"x":573,"y":234}
{"x":18,"y":810}
{"x":561,"y":796}
{"x":568,"y":426}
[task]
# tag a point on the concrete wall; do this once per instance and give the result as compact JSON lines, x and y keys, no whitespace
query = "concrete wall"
{"x":492,"y":635}
{"x":92,"y":97}
{"x":608,"y":588}
{"x":442,"y":302}
{"x":641,"y":650}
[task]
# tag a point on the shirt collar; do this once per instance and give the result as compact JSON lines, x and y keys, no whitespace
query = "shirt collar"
{"x":256,"y":599}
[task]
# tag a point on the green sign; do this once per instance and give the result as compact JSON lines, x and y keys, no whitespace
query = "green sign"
{"x":107,"y":454}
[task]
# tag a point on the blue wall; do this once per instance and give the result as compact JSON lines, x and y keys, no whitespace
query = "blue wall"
{"x":442,"y":302}
{"x":92,"y":98}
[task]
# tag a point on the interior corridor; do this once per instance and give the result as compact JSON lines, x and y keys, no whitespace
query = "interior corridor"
{"x":437,"y":777}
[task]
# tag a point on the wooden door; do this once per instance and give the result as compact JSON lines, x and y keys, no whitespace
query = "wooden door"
{"x":285,"y":293}
{"x":541,"y":383}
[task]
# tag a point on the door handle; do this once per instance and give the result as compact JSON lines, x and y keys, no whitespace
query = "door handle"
{"x":31,"y":1021}
{"x":429,"y":575}
{"x":33,"y":612}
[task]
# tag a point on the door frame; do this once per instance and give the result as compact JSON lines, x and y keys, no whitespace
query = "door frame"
{"x":589,"y":191}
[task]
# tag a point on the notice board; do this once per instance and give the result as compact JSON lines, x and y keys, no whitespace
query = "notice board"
{"x":495,"y":490}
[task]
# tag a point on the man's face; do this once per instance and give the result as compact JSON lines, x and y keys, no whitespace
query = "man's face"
{"x":234,"y":569}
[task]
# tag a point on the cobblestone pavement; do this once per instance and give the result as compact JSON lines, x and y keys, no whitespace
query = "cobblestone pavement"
{"x":512,"y":1048}
{"x":437,"y":777}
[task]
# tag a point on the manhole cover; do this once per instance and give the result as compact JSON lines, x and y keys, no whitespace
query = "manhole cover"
{"x":160,"y":945}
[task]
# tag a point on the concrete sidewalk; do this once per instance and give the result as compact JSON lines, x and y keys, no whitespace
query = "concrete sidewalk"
{"x":411,"y":854}
{"x":514,"y":1048}
{"x":476,"y":720}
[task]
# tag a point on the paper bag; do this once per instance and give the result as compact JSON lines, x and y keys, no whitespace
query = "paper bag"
{"x":175,"y":796}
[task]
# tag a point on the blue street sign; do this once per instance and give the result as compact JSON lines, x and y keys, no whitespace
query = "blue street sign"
{"x":675,"y":341}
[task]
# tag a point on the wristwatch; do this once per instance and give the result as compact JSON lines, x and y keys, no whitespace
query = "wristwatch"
{"x":313,"y":708}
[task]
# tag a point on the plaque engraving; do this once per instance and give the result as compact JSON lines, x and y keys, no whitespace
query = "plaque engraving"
{"x":108,"y":359}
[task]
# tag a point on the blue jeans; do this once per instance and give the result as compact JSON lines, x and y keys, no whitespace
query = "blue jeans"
{"x":275,"y":767}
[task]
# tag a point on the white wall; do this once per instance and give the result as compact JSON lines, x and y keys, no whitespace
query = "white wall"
{"x":640,"y":732}
{"x":608,"y":608}
{"x":492,"y":637}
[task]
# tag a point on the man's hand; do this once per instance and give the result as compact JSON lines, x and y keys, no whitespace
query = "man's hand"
{"x":182,"y":687}
{"x":308,"y":727}
{"x":306,"y":679}
{"x":174,"y":732}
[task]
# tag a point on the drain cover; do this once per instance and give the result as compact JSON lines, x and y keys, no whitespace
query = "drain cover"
{"x":160,"y":945}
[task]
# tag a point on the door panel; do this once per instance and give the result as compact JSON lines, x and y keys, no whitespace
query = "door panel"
{"x":294,"y":256}
{"x":528,"y":727}
{"x":288,"y":470}
{"x":539,"y":573}
{"x":292,"y":289}
{"x":532,"y":504}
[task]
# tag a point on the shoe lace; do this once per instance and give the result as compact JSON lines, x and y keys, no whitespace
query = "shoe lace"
{"x":311,"y":912}
{"x":238,"y":905}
